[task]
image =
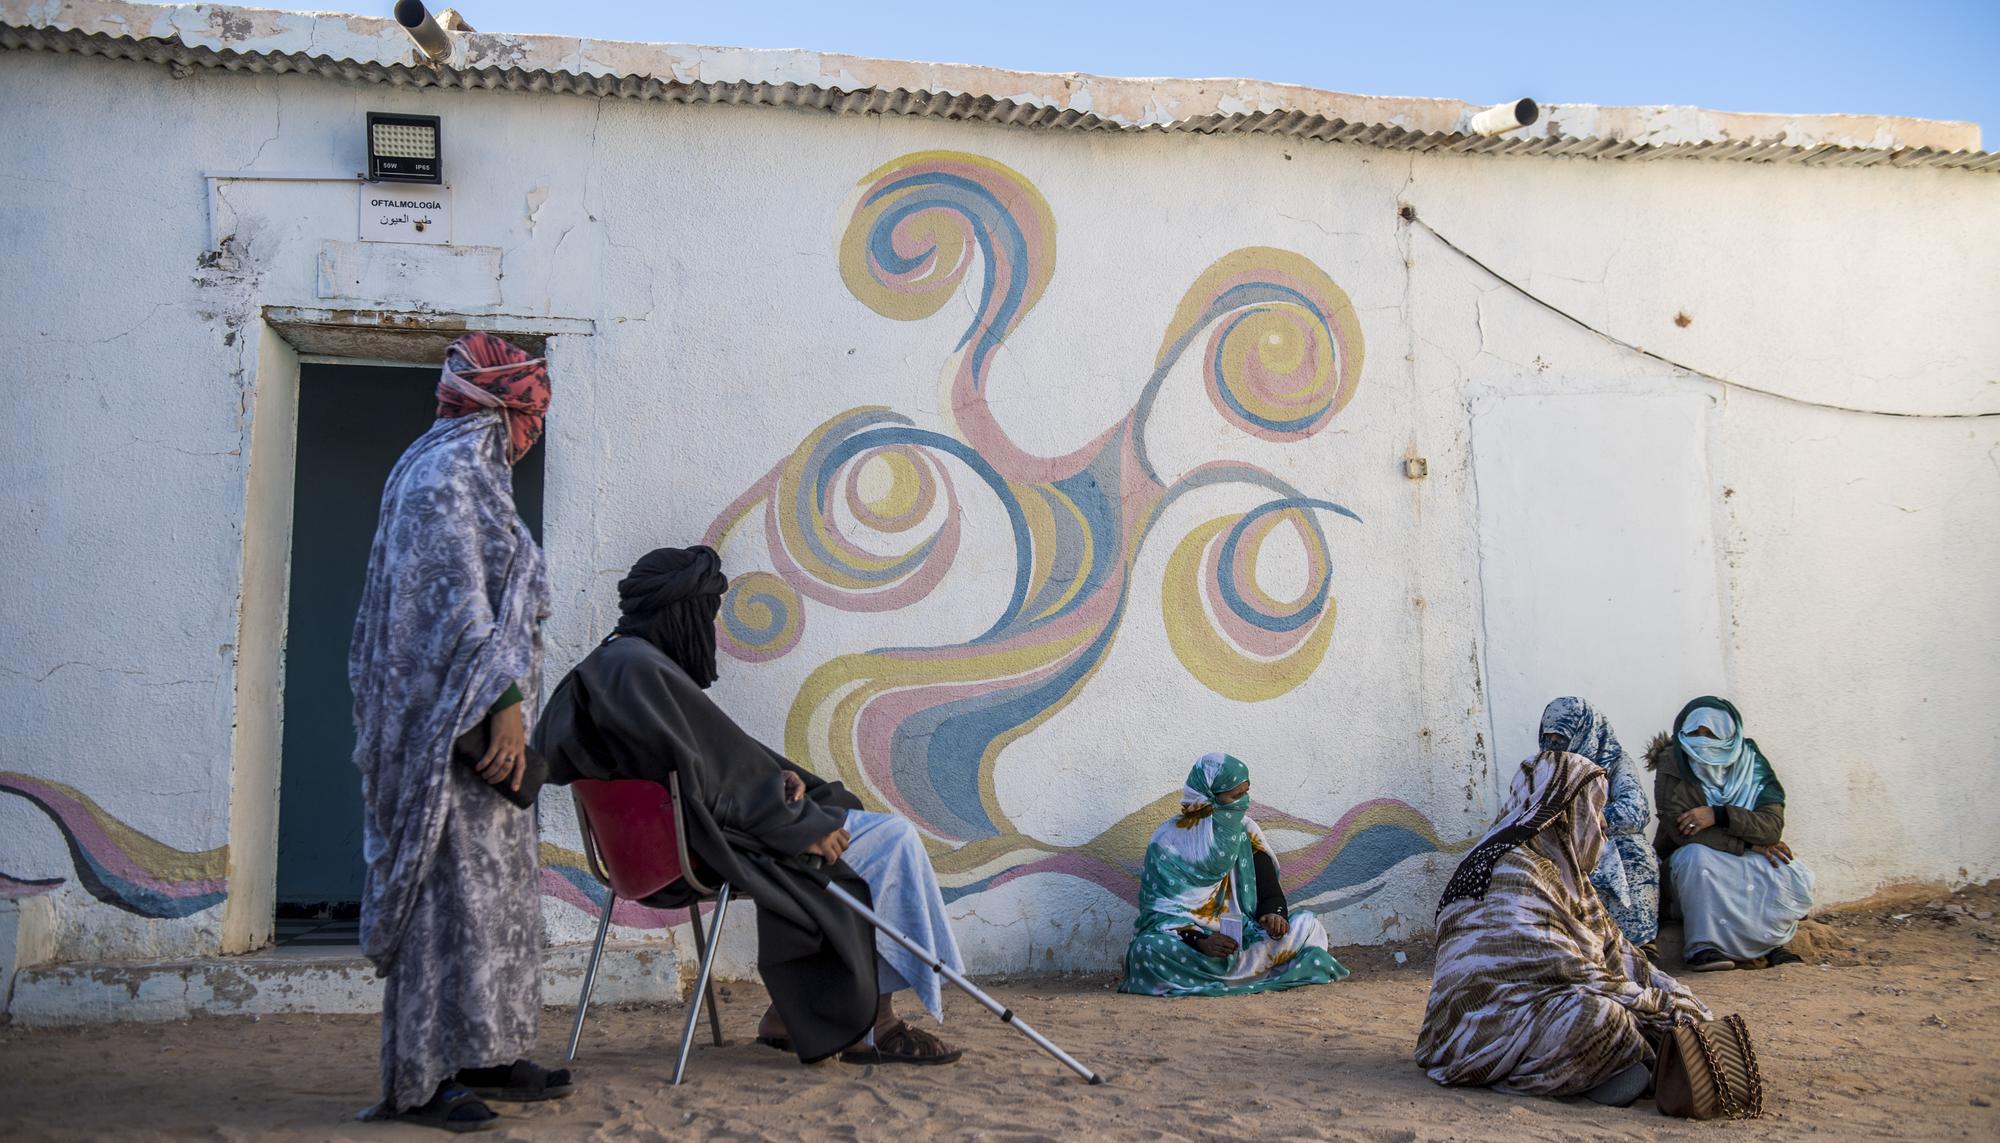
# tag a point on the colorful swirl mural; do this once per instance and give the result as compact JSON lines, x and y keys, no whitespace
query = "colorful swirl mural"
{"x":1225,"y":629}
{"x":864,"y":515}
{"x":1284,"y":348}
{"x":566,"y":877}
{"x":1367,"y":842}
{"x":912,"y":229}
{"x":116,"y":863}
{"x":15,"y":888}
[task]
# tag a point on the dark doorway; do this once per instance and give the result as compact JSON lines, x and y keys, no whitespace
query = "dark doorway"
{"x":354,"y":422}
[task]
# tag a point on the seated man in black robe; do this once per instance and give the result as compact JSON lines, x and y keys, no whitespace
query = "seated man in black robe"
{"x":635,"y":708}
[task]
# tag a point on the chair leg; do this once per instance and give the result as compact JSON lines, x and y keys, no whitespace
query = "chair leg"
{"x":708,"y":994}
{"x":701,"y":984}
{"x":590,"y":972}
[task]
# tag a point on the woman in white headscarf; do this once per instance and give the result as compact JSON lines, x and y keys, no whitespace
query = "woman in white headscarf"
{"x":1722,"y":822}
{"x":1536,"y":992}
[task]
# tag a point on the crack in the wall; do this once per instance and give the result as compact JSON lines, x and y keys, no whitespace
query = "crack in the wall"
{"x":277,"y":123}
{"x":128,"y":672}
{"x":45,"y":676}
{"x":652,"y":275}
{"x":583,"y":193}
{"x":40,"y":339}
{"x":1458,"y":366}
{"x":605,"y":229}
{"x":1316,"y":225}
{"x":549,"y":276}
{"x":972,"y":914}
{"x":186,"y":451}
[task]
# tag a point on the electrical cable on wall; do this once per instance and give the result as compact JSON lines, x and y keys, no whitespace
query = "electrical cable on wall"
{"x":1409,"y":214}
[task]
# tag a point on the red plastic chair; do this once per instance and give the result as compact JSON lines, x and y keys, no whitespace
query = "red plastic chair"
{"x":635,"y":841}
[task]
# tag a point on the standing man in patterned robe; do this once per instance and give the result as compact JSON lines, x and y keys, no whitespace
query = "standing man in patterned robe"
{"x":448,"y":640}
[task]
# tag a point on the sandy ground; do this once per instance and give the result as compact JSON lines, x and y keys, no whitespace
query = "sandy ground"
{"x":1894,"y":1036}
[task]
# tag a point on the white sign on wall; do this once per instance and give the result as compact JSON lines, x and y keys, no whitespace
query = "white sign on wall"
{"x":393,"y":212}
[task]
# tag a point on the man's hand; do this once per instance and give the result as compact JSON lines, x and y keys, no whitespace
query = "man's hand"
{"x":795,"y":788}
{"x":1778,"y":853}
{"x":1696,"y":820}
{"x":507,"y":752}
{"x":1216,"y":945}
{"x":1275,"y":925}
{"x":830,"y":847}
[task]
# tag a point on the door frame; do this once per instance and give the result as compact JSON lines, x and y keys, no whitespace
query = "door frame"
{"x":285,"y":336}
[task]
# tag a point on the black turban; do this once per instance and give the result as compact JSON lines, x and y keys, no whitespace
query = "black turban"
{"x":670,"y":599}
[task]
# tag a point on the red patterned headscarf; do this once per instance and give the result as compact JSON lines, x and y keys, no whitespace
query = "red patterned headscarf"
{"x":482,"y":371}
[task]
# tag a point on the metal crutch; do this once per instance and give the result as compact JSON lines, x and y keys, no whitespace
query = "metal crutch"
{"x":1005,"y":1013}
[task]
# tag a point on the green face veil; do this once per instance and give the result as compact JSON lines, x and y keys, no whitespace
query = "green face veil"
{"x":1211,"y":776}
{"x":1207,"y":848}
{"x":1200,"y":877}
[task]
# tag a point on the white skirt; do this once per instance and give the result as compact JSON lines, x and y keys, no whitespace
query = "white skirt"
{"x":1741,"y":906}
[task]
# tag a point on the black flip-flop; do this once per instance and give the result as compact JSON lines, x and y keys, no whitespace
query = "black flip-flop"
{"x":902,"y":1033}
{"x":781,"y":1043}
{"x":522,"y":1082}
{"x":1707,"y":960}
{"x":452,"y":1108}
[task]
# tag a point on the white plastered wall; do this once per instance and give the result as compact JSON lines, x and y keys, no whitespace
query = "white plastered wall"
{"x":1823,"y":567}
{"x":1829,"y":571}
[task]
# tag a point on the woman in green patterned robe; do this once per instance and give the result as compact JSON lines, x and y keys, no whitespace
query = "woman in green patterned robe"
{"x":1212,"y":916}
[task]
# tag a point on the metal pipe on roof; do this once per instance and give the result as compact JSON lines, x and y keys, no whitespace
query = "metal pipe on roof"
{"x":1504,"y":117}
{"x":417,"y":21}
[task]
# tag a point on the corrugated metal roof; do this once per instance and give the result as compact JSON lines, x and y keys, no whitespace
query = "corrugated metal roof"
{"x":961,"y":107}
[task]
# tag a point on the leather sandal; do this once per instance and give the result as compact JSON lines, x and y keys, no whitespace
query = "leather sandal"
{"x":904,"y":1045}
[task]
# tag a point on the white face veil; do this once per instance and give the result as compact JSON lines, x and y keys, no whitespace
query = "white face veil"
{"x":1726,"y":770}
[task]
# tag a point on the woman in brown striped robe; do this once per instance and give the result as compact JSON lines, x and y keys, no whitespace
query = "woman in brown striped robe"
{"x":1536,"y":992}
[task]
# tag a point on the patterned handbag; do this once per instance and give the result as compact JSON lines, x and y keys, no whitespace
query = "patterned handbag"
{"x":1708,"y":1070}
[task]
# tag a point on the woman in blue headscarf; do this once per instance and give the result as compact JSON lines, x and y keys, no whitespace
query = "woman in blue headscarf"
{"x":1212,"y":917}
{"x":1627,"y":876}
{"x":1722,"y":823}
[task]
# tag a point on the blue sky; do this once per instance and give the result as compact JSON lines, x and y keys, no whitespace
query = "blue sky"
{"x":1935,"y":59}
